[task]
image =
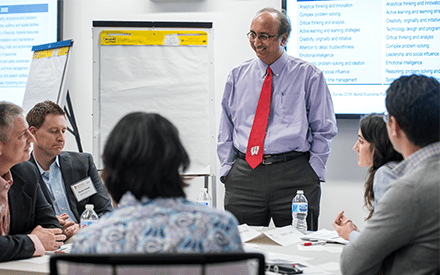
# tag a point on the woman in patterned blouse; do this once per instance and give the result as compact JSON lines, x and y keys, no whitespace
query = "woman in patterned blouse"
{"x":143,"y":161}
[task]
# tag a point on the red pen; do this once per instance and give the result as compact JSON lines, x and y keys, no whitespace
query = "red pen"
{"x":314,"y":243}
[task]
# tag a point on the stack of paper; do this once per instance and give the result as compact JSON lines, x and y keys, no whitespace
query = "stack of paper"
{"x":279,"y":236}
{"x":330,"y":236}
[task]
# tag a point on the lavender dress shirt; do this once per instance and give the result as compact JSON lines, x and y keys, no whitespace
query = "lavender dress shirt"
{"x":301,"y":114}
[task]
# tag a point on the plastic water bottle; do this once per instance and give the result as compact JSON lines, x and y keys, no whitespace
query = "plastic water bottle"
{"x":299,"y":212}
{"x":89,"y":216}
{"x":204,"y":198}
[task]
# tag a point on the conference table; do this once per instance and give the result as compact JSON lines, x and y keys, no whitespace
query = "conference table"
{"x":315,"y":259}
{"x":283,"y":245}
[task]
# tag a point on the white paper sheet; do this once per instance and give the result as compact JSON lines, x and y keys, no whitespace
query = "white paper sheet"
{"x":44,"y":80}
{"x":326,"y":235}
{"x":282,"y":236}
{"x":171,"y":81}
{"x":273,"y":257}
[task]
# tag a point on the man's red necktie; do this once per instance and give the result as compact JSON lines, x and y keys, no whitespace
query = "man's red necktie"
{"x":255,"y":147}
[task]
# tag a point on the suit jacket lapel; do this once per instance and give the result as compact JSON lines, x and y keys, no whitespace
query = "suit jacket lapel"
{"x":67,"y":173}
{"x":19,"y":205}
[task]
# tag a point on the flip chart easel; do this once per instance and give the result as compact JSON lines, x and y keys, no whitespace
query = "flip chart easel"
{"x":48,"y":74}
{"x":160,"y":67}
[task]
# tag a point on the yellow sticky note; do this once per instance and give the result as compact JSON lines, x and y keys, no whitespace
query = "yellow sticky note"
{"x":63,"y":51}
{"x":43,"y":54}
{"x":163,"y":38}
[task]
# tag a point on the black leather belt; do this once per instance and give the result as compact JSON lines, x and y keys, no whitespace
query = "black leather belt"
{"x":274,"y":158}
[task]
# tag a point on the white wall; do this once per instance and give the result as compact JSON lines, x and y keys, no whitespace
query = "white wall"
{"x":231,"y":20}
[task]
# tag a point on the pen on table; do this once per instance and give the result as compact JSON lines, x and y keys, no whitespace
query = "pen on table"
{"x":283,"y":268}
{"x":314,"y":243}
{"x":60,"y":250}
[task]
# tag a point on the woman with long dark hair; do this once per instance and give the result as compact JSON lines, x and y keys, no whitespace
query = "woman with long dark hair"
{"x":376,"y":152}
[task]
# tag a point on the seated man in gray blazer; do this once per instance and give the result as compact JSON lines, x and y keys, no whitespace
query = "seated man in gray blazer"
{"x":69,"y":180}
{"x":28,"y":226}
{"x":403,"y":235}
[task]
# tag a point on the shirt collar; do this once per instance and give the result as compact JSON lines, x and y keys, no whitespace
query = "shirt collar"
{"x":276,"y":67}
{"x":128,"y":199}
{"x":416,"y":158}
{"x":6,"y":181}
{"x":57,"y":161}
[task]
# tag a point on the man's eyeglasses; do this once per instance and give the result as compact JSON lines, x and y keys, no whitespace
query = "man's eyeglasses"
{"x":262,"y":37}
{"x":385,"y":117}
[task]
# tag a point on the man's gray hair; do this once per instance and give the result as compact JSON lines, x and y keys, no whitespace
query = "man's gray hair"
{"x":8,"y":113}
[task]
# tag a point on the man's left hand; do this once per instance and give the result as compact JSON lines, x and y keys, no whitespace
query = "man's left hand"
{"x":69,"y":228}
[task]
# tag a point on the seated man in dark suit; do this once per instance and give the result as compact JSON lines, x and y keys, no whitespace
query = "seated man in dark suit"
{"x":69,"y":180}
{"x":28,"y":226}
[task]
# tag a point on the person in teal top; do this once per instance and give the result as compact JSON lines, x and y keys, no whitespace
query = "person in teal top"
{"x":143,"y":162}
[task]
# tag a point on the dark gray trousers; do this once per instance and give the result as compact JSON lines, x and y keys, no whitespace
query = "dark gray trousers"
{"x":256,"y":195}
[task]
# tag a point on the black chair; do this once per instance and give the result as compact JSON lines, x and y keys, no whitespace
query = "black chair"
{"x":130,"y":264}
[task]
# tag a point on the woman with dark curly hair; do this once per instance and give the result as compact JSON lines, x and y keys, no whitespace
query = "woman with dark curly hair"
{"x":376,"y":152}
{"x":143,"y":162}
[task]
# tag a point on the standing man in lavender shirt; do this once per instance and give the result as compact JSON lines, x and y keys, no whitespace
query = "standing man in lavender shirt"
{"x":300,"y":127}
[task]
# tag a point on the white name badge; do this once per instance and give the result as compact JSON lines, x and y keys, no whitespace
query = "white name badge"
{"x":83,"y":189}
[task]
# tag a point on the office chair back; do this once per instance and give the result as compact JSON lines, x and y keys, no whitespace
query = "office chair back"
{"x":169,"y":264}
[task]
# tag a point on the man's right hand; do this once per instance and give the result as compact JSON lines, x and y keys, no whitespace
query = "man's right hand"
{"x":51,"y":238}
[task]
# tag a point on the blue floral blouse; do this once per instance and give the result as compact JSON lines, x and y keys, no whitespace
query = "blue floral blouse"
{"x":162,"y":225}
